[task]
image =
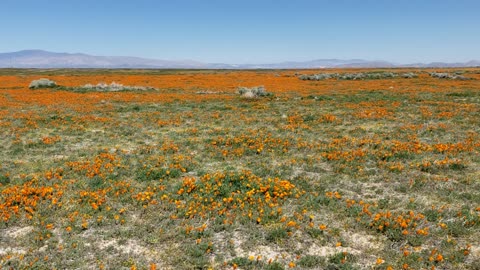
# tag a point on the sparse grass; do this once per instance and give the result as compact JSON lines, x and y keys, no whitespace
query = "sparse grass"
{"x":323,"y":176}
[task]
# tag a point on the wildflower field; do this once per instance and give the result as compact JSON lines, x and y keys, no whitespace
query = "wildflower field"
{"x":179,"y":171}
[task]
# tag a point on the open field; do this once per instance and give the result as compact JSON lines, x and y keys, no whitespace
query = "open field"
{"x":328,"y":174}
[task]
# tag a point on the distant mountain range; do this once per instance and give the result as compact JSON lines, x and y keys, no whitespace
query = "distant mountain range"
{"x":45,"y":59}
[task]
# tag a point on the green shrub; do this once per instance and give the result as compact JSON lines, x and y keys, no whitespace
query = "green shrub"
{"x":277,"y":235}
{"x":311,"y":261}
{"x":4,"y":179}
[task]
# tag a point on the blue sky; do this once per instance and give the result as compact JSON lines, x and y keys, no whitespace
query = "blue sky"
{"x":247,"y":31}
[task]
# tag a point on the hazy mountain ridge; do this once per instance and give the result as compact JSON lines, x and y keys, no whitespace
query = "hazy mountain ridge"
{"x":45,"y":59}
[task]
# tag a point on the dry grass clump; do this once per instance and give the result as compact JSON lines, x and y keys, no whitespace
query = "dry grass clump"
{"x":100,"y":87}
{"x":42,"y":83}
{"x":409,"y":75}
{"x":375,"y":75}
{"x":113,"y":87}
{"x":444,"y":75}
{"x":319,"y":77}
{"x":253,"y":92}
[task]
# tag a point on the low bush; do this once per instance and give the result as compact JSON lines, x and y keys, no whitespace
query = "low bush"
{"x":357,"y":76}
{"x":112,"y":87}
{"x":444,"y":75}
{"x":319,"y":77}
{"x":253,"y":92}
{"x":42,"y":83}
{"x":409,"y":75}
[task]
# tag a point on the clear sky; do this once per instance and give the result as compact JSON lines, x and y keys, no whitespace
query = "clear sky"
{"x":247,"y":31}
